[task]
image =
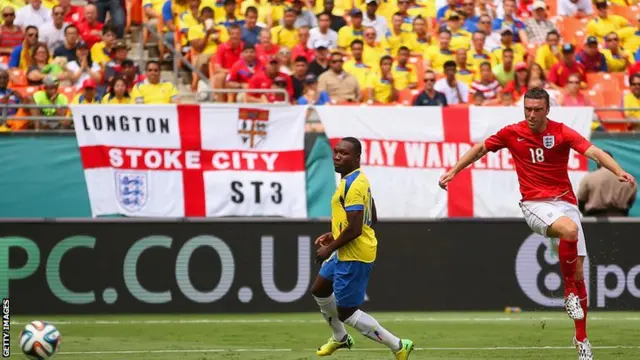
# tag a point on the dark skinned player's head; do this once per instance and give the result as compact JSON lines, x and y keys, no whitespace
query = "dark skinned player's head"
{"x":346,"y":155}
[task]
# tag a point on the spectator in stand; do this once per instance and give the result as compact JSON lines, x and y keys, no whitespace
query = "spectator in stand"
{"x":10,"y":97}
{"x":114,"y":67}
{"x":38,"y":69}
{"x":404,"y":74}
{"x":518,"y":28}
{"x":429,"y":96}
{"x":632,"y":101}
{"x":250,"y":30}
{"x":266,"y":49}
{"x":381,"y":87}
{"x":505,"y":71}
{"x":152,"y":90}
{"x":460,"y":38}
{"x":340,"y":85}
{"x":21,"y":55}
{"x":488,"y":86}
{"x":68,"y":49}
{"x":559,"y":73}
{"x":478,"y":99}
{"x":205,"y":39}
{"x":337,"y":22}
{"x":131,"y":74}
{"x":471,"y":18}
{"x":226,"y":56}
{"x":304,"y":17}
{"x":485,"y":26}
{"x":477,"y":54}
{"x":601,"y":194}
{"x":83,"y":67}
{"x":275,"y":12}
{"x":321,"y":62}
{"x":591,"y":58}
{"x":116,"y":14}
{"x":572,"y":96}
{"x":630,"y":38}
{"x":265,"y":79}
{"x":11,"y":35}
{"x":373,"y":50}
{"x":244,"y":69}
{"x":171,"y":11}
{"x":33,"y":14}
{"x":347,"y":34}
{"x":284,"y":58}
{"x":421,"y":39}
{"x":456,"y":91}
{"x":229,"y":17}
{"x":72,"y":13}
{"x":539,"y":26}
{"x":300,"y":67}
{"x":549,"y":53}
{"x":618,"y":59}
{"x":443,"y":12}
{"x":378,"y":22}
{"x":604,"y":23}
{"x":634,"y":69}
{"x":506,"y":42}
{"x":396,"y":37}
{"x":439,"y":54}
{"x":88,"y":94}
{"x":90,"y":29}
{"x":153,"y":10}
{"x":118,"y":93}
{"x":403,"y":11}
{"x":311,"y":95}
{"x":537,"y":73}
{"x":506,"y":98}
{"x":575,"y":8}
{"x":286,"y":34}
{"x":465,"y":73}
{"x":518,"y":86}
{"x":355,"y":66}
{"x":323,"y":33}
{"x":50,"y":96}
{"x":301,"y":48}
{"x":52,"y":33}
{"x":101,"y":52}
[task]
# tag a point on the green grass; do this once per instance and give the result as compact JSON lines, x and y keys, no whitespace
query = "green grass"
{"x":450,"y":336}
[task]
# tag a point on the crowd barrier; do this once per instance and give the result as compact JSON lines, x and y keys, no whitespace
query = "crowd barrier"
{"x":127,"y":266}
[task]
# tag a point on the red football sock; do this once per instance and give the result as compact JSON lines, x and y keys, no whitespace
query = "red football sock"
{"x":568,"y":254}
{"x":581,"y":325}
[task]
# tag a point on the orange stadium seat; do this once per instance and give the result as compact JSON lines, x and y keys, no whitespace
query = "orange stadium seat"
{"x":570,"y":27}
{"x":609,"y":99}
{"x":25,"y":90}
{"x":606,"y":81}
{"x":552,"y":7}
{"x":406,"y":96}
{"x":628,"y":12}
{"x":17,"y":78}
{"x":69,"y":92}
{"x":418,"y":64}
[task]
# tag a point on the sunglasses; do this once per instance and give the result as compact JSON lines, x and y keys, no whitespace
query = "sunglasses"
{"x":58,"y":13}
{"x":635,"y":84}
{"x":613,"y":39}
{"x":574,"y":82}
{"x":429,"y":80}
{"x":9,"y":14}
{"x":336,"y":61}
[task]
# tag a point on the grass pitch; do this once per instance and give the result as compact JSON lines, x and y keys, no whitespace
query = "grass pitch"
{"x":450,"y":336}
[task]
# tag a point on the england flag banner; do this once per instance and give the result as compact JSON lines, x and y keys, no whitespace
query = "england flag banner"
{"x":193,"y":160}
{"x":407,"y":149}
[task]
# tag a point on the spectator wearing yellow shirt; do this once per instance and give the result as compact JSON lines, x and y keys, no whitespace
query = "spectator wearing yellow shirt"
{"x":506,"y":42}
{"x":439,"y":54}
{"x":153,"y":11}
{"x":404,"y":74}
{"x":118,"y":94}
{"x":286,"y":34}
{"x":192,"y":16}
{"x":101,"y":52}
{"x":548,"y":54}
{"x":347,"y":34}
{"x":460,"y":38}
{"x":403,"y":10}
{"x":630,"y":37}
{"x":373,"y":51}
{"x":355,"y":66}
{"x":632,"y":99}
{"x":152,"y":90}
{"x":229,"y":16}
{"x":465,"y":72}
{"x":618,"y":60}
{"x":275,"y":13}
{"x":604,"y":23}
{"x":397,"y":37}
{"x":478,"y":54}
{"x":381,"y":87}
{"x":421,"y":39}
{"x":88,"y":94}
{"x":424,"y":9}
{"x":205,"y":37}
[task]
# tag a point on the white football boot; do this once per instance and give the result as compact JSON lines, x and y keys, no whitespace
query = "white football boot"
{"x":584,"y":349}
{"x":573,"y":308}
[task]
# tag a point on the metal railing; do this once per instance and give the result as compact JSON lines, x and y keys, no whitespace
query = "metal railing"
{"x":247,"y":92}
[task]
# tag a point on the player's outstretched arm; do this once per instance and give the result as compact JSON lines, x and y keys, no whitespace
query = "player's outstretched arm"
{"x":596,"y":154}
{"x":474,"y":154}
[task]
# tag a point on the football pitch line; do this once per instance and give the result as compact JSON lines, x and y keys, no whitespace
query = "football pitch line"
{"x":185,"y":351}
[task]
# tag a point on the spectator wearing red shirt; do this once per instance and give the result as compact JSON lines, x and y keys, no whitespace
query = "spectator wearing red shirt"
{"x":11,"y":35}
{"x":301,"y":48}
{"x":73,"y":14}
{"x":226,"y":56}
{"x":633,"y":69}
{"x":559,"y":73}
{"x":265,"y":49}
{"x":266,"y":80}
{"x":244,"y":69}
{"x":90,"y":29}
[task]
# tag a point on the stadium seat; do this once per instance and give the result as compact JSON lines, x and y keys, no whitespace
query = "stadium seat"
{"x":17,"y":78}
{"x":69,"y":92}
{"x":628,"y":12}
{"x":605,"y":81}
{"x":610,"y":99}
{"x":406,"y":96}
{"x":25,"y":90}
{"x":552,"y":8}
{"x":418,"y":64}
{"x":569,"y":27}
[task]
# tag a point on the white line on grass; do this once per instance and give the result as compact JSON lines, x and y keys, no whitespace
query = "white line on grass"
{"x":309,"y":321}
{"x":184,"y":351}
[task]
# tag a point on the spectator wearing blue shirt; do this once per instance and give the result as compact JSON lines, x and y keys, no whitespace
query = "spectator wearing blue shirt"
{"x":510,"y":20}
{"x":311,"y":95}
{"x":250,"y":31}
{"x":471,"y":19}
{"x":167,"y":19}
{"x":443,"y":12}
{"x":17,"y":55}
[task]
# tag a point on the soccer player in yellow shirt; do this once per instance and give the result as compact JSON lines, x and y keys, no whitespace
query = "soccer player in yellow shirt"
{"x":286,"y":34}
{"x":348,"y":253}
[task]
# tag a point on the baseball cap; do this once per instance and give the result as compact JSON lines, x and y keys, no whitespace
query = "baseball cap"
{"x":601,"y":4}
{"x":538,"y":4}
{"x":453,"y":15}
{"x":591,"y":40}
{"x":521,"y":66}
{"x":321,"y":44}
{"x":89,"y":83}
{"x":371,"y":1}
{"x":506,"y":30}
{"x":356,"y":12}
{"x":50,"y":81}
{"x":82,"y":44}
{"x":310,"y":79}
{"x":568,"y":48}
{"x":120,"y":43}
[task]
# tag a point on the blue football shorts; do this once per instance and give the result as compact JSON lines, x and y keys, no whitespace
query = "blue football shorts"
{"x":350,"y":280}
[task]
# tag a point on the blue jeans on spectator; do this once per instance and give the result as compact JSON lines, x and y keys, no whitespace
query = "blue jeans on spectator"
{"x":114,"y":7}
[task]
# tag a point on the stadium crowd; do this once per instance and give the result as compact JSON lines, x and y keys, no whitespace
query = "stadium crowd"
{"x":376,"y":52}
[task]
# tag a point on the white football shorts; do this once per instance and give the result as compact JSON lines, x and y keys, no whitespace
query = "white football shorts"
{"x":539,"y":215}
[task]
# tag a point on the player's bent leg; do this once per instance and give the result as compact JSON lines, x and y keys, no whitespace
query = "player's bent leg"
{"x":567,"y":231}
{"x":563,"y":228}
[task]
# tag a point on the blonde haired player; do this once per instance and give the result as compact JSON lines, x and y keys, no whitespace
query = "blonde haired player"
{"x":540,"y":150}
